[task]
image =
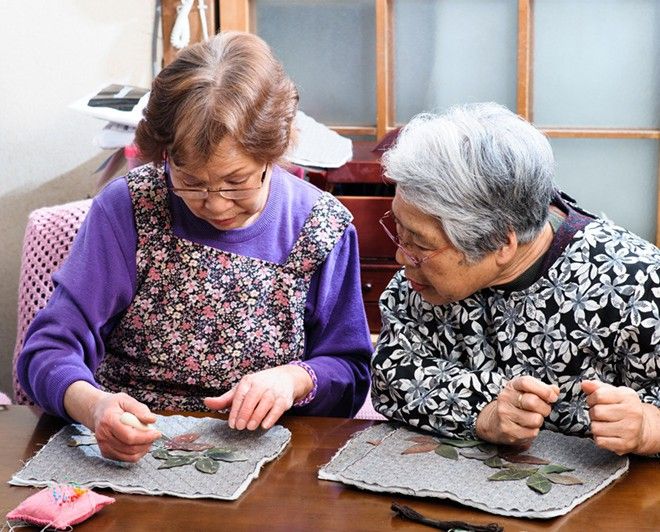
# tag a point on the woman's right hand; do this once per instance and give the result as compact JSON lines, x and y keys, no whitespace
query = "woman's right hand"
{"x":100,"y":412}
{"x":518,"y":413}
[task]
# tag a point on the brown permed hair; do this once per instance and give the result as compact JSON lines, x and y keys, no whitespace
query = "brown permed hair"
{"x":229,"y":85}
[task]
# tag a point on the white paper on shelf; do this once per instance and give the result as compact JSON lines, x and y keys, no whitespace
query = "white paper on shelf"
{"x":114,"y":136}
{"x":127,"y":118}
{"x":319,"y":146}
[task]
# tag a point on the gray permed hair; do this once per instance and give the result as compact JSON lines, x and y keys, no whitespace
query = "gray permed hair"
{"x":480,"y":170}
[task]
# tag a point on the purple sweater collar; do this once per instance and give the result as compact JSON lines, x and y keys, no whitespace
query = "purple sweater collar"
{"x":185,"y":222}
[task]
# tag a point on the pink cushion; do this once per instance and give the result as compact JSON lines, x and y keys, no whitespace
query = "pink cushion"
{"x":59,"y":507}
{"x":367,"y":411}
{"x":48,"y":237}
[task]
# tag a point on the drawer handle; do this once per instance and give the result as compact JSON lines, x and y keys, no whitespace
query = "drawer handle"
{"x":367,"y":287}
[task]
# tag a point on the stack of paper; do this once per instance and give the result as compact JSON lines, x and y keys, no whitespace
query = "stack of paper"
{"x":127,"y":118}
{"x":114,"y":136}
{"x":319,"y":146}
{"x":120,"y":129}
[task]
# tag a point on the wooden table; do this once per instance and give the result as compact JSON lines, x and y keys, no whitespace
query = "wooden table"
{"x":288,"y":496}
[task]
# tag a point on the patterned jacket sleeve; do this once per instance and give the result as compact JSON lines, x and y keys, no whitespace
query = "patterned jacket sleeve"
{"x":636,"y":357}
{"x":637,"y":345}
{"x":417,"y":378}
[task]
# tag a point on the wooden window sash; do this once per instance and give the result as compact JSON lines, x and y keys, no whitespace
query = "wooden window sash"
{"x":524,"y":106}
{"x":235,"y":15}
{"x":600,"y":133}
{"x":524,"y":59}
{"x":384,"y":66}
{"x":239,"y":15}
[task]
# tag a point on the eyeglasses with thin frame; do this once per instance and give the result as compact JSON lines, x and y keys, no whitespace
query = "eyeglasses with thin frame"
{"x":204,"y":193}
{"x":413,"y":259}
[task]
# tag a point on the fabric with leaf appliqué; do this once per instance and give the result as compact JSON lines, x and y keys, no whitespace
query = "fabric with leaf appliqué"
{"x":201,"y":317}
{"x":595,"y":314}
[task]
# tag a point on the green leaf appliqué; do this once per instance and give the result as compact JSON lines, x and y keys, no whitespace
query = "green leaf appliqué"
{"x":177,"y":461}
{"x":495,"y":462}
{"x":224,"y":455}
{"x":161,"y":454}
{"x":554,"y":468}
{"x":447,"y":451}
{"x":207,"y":465}
{"x":477,"y":454}
{"x":539,"y":483}
{"x":512,"y":474}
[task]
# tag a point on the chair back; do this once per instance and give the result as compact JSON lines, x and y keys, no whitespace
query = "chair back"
{"x":48,"y":237}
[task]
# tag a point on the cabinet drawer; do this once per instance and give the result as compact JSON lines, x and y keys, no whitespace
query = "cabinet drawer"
{"x":367,"y":212}
{"x":373,"y":316}
{"x":375,"y":278}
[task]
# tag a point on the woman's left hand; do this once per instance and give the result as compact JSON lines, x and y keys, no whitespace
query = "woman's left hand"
{"x":620,"y":422}
{"x":261,"y":398}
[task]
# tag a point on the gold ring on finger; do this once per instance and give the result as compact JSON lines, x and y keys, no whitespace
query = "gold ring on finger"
{"x":520,"y":399}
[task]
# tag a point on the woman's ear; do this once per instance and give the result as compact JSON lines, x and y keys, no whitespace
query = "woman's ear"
{"x":504,"y":255}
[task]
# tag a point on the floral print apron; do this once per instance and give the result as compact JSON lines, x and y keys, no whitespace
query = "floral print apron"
{"x":202,"y":318}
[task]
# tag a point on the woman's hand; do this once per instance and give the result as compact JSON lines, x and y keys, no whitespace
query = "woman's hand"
{"x":620,"y":422}
{"x":100,"y":411}
{"x":261,"y":398}
{"x":516,"y":416}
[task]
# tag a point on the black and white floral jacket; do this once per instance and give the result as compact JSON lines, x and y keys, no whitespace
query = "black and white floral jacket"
{"x":594,"y":314}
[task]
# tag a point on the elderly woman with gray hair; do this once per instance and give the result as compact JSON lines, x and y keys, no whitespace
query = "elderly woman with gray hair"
{"x":515,"y":310}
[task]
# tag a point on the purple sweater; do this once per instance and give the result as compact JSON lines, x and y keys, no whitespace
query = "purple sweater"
{"x":65,"y":342}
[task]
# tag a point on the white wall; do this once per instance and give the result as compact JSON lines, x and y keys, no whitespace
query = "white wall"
{"x":54,"y":53}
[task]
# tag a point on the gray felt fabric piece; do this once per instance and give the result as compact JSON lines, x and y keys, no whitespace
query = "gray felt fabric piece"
{"x":84,"y":465}
{"x":383,"y":468}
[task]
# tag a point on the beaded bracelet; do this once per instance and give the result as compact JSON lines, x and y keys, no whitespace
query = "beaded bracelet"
{"x":315,"y":383}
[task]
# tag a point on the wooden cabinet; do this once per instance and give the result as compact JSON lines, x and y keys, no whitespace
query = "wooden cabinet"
{"x":364,"y":174}
{"x":375,"y":277}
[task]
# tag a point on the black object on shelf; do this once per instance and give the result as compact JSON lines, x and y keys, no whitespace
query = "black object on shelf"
{"x":120,"y":97}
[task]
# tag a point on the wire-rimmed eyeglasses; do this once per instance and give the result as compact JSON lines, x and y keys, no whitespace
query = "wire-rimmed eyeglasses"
{"x":227,"y":193}
{"x":415,"y":260}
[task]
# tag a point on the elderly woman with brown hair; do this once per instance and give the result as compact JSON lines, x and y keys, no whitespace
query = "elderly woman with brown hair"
{"x":209,"y":277}
{"x":515,"y":309}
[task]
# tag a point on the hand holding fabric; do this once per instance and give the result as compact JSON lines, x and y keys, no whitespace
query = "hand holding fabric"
{"x":117,"y":440}
{"x":620,"y":422}
{"x":100,"y":412}
{"x":518,"y":413}
{"x":261,"y":398}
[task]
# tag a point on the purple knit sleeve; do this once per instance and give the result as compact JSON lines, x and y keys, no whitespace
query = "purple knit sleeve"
{"x":338,"y":346}
{"x":64,"y":343}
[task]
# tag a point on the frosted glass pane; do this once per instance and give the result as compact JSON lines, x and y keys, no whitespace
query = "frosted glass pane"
{"x":617,"y":177}
{"x":597,"y":63}
{"x":328,"y":48}
{"x":454,"y":51}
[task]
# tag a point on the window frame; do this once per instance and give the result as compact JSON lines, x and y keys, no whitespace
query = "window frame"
{"x":240,"y":15}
